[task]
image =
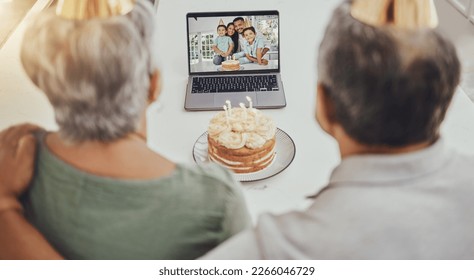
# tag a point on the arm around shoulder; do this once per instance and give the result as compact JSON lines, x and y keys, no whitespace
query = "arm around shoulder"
{"x":18,"y":238}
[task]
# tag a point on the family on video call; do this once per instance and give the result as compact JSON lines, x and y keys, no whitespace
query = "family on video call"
{"x":234,"y":42}
{"x":239,"y":41}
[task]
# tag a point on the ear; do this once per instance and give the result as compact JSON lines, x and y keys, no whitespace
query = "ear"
{"x":325,"y":112}
{"x":155,"y":86}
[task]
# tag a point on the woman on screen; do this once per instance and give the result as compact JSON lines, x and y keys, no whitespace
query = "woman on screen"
{"x":233,"y":35}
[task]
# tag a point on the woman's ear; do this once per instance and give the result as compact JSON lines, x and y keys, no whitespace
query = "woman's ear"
{"x":325,"y":112}
{"x":155,"y":86}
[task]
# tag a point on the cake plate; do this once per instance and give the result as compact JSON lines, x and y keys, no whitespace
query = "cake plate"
{"x":285,"y":151}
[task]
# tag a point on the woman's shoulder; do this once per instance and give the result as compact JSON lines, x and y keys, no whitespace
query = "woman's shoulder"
{"x":210,"y":180}
{"x":215,"y":186}
{"x":209,"y":175}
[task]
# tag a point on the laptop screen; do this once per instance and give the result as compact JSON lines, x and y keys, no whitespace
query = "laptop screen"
{"x":233,"y":42}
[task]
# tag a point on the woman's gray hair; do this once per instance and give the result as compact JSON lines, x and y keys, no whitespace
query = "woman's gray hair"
{"x":389,"y":86}
{"x":96,"y":73}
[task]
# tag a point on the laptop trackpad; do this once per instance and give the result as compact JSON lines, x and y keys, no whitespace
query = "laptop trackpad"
{"x":234,"y":98}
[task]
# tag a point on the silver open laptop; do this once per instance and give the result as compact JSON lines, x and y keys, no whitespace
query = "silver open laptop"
{"x":210,"y":85}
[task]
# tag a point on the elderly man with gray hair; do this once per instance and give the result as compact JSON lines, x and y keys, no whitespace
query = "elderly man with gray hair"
{"x":399,"y":192}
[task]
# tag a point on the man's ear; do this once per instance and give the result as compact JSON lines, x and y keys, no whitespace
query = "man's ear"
{"x":155,"y":86}
{"x":325,"y":112}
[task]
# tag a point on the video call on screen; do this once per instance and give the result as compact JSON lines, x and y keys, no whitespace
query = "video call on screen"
{"x":203,"y":35}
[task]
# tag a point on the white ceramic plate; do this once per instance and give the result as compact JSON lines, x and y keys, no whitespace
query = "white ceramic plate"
{"x":285,"y":151}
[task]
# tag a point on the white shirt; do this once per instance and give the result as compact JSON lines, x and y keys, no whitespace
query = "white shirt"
{"x":243,"y":42}
{"x":417,"y":205}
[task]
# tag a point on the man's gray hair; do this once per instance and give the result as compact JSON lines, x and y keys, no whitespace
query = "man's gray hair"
{"x":389,"y":86}
{"x":96,"y":73}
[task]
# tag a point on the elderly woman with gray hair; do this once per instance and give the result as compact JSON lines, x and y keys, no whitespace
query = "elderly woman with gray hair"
{"x":99,"y":192}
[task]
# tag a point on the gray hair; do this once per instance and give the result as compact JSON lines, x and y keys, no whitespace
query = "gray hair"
{"x":95,"y":73}
{"x":389,"y":86}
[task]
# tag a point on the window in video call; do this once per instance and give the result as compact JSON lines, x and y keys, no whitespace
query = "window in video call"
{"x":217,"y":43}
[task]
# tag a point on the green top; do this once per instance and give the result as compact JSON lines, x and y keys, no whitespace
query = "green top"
{"x":85,"y":216}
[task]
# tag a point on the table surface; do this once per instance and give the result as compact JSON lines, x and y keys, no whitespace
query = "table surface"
{"x":173,"y":131}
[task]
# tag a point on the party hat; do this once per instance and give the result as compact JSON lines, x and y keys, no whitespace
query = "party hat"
{"x":247,"y":23}
{"x":87,"y":9}
{"x":409,"y":14}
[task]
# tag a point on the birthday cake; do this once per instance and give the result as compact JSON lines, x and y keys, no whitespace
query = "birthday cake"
{"x":230,"y":65}
{"x":242,"y":139}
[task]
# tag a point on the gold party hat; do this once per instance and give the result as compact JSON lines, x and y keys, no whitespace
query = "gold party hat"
{"x":400,"y":13}
{"x":247,"y":23}
{"x":87,"y":9}
{"x":221,"y":22}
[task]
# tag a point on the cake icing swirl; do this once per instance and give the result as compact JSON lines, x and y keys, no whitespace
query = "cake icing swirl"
{"x":243,"y":127}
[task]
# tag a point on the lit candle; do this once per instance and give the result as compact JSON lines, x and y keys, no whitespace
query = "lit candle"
{"x":250,"y":102}
{"x":244,"y":110}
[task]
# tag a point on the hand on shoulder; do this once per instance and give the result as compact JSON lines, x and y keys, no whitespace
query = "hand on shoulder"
{"x":17,"y":155}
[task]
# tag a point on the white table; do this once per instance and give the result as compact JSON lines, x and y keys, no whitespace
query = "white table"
{"x":173,"y":131}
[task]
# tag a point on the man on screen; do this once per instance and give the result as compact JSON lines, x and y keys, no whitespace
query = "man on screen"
{"x":240,"y":25}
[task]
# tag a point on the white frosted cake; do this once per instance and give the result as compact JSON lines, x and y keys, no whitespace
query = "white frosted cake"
{"x":231,"y":65}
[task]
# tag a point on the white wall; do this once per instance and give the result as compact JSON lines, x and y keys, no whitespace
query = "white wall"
{"x":455,"y":25}
{"x":452,"y":23}
{"x":207,"y":24}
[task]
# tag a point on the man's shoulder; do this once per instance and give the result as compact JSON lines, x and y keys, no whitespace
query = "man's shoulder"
{"x":466,"y":160}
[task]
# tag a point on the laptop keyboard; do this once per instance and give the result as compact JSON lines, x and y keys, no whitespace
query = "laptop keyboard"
{"x":235,"y":84}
